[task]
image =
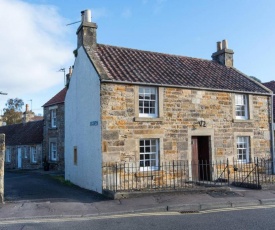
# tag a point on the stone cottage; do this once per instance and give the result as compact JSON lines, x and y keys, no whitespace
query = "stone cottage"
{"x":53,"y":143}
{"x":129,"y":112}
{"x":23,"y":145}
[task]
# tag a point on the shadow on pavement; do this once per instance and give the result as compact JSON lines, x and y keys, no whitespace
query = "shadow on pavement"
{"x":35,"y":186}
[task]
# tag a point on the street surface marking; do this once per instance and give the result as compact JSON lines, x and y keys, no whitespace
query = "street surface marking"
{"x":116,"y":216}
{"x":84,"y":218}
{"x":237,"y":209}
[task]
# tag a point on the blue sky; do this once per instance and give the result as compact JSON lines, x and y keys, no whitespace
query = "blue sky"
{"x":41,"y":42}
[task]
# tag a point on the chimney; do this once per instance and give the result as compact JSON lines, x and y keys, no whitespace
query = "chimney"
{"x":223,"y":55}
{"x":86,"y":32}
{"x":25,"y":115}
{"x":68,"y":76}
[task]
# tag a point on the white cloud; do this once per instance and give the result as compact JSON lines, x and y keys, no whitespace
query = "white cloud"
{"x":126,"y":13}
{"x":33,"y":47}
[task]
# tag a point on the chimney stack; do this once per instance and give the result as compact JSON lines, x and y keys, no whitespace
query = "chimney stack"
{"x":68,"y":76}
{"x":223,"y":55}
{"x":86,"y":33}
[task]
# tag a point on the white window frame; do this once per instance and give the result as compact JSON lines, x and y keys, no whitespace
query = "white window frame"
{"x":8,"y":155}
{"x":25,"y":152}
{"x":33,"y":153}
{"x":149,"y":154}
{"x":53,"y":151}
{"x":147,"y":101}
{"x":243,"y":149}
{"x":241,"y":106}
{"x":53,"y":118}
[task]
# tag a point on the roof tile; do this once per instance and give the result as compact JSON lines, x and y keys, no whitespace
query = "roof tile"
{"x":23,"y":133}
{"x":57,"y":99}
{"x":131,"y":65}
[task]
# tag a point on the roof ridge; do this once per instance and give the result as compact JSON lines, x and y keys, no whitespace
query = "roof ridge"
{"x":155,"y":52}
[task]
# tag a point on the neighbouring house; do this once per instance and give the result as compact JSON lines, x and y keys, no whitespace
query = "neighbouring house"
{"x":128,"y":112}
{"x":53,"y":143}
{"x":271,"y":86}
{"x":28,"y":115}
{"x":23,"y":145}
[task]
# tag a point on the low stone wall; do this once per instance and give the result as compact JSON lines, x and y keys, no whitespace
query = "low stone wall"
{"x":2,"y":159}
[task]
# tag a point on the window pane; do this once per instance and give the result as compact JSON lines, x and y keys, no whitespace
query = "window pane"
{"x":147,"y":101}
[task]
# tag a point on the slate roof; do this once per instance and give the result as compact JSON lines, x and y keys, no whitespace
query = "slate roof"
{"x":271,"y":86}
{"x":137,"y":66}
{"x":23,"y":134}
{"x":57,"y":99}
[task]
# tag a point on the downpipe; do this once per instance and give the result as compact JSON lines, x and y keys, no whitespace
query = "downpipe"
{"x":272,"y":135}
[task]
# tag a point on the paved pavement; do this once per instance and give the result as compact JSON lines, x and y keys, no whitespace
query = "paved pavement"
{"x":55,"y":199}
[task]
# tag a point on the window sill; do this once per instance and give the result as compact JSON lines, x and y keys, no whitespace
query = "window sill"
{"x":151,"y":119}
{"x":241,"y":121}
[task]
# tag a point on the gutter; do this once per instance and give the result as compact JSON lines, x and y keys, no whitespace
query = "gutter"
{"x":183,"y":87}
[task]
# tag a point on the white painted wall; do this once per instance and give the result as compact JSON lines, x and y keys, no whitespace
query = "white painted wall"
{"x":82,"y":106}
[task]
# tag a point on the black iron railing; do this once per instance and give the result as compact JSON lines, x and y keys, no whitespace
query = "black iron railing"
{"x":171,"y":175}
{"x":175,"y":175}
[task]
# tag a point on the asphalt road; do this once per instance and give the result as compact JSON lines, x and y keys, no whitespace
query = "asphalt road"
{"x":33,"y":186}
{"x":252,"y":219}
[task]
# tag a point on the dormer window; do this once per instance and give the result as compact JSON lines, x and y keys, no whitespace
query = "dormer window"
{"x":148,"y":102}
{"x":241,"y":107}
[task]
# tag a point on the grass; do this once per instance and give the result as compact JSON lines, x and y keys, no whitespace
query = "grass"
{"x":62,"y":180}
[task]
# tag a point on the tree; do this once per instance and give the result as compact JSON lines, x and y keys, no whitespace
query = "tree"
{"x":256,"y":79}
{"x":12,"y":112}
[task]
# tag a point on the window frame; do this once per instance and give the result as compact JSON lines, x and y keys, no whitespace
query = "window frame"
{"x":246,"y":142}
{"x":8,"y":155}
{"x":25,"y":152}
{"x":53,"y":118}
{"x":149,"y":101}
{"x":244,"y":103}
{"x":52,"y":151}
{"x":143,"y":159}
{"x":33,"y":154}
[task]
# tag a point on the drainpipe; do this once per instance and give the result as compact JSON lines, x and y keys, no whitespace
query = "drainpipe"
{"x":272,"y":134}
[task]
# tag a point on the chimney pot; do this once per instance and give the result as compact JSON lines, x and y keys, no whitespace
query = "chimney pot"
{"x":27,"y":108}
{"x":219,"y":46}
{"x":224,"y":44}
{"x":86,"y":16}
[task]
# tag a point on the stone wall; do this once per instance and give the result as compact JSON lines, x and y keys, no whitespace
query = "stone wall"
{"x":2,"y":159}
{"x":54,"y":134}
{"x":181,"y":109}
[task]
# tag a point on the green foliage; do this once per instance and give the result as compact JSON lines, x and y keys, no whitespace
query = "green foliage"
{"x":12,"y":112}
{"x":256,"y":79}
{"x":62,"y":180}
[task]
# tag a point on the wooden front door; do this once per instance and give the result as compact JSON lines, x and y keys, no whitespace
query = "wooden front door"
{"x":200,"y":158}
{"x":195,"y":159}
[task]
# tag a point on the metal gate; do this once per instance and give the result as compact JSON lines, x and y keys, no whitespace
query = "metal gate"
{"x":247,"y":175}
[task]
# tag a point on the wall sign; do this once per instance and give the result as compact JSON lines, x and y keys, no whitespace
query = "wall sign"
{"x":94,"y":123}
